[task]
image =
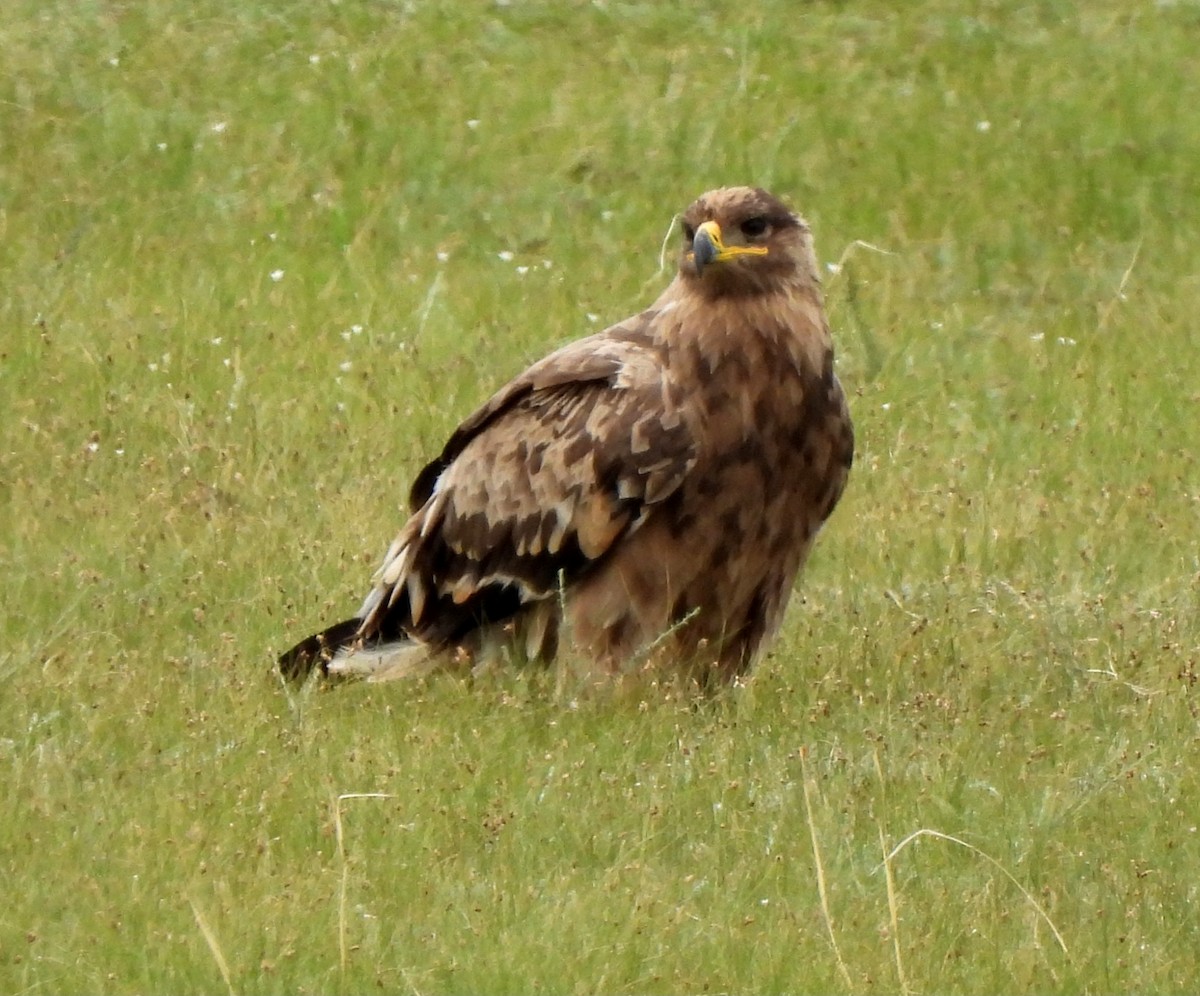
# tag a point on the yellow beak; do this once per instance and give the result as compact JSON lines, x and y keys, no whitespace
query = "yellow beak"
{"x":709,"y":247}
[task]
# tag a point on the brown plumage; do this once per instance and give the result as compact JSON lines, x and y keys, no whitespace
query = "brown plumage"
{"x":652,"y":489}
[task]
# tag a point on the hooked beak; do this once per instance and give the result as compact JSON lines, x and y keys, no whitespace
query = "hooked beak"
{"x":708,"y":247}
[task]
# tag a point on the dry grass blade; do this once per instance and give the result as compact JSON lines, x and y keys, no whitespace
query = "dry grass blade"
{"x":210,"y":938}
{"x":1119,"y":295}
{"x":345,"y":874}
{"x":992,"y":861}
{"x":893,"y":915}
{"x":821,"y":890}
{"x":662,"y":250}
{"x":893,"y":907}
{"x":837,"y":267}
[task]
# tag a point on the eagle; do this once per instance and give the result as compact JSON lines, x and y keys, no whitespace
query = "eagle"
{"x":645,"y":494}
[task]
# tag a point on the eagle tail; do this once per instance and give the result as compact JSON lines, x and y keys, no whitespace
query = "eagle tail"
{"x":386,"y":661}
{"x":318,"y":650}
{"x":339,"y":652}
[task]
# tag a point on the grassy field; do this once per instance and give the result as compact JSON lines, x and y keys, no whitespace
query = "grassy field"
{"x":258,"y":258}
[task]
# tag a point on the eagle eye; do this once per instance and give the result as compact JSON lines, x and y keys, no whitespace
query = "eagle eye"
{"x":754,"y":227}
{"x":689,"y":231}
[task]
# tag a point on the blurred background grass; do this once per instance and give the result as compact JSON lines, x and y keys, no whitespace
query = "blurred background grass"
{"x":258,"y":259}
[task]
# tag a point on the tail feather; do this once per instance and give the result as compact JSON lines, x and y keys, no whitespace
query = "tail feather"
{"x":389,"y":661}
{"x":318,"y":650}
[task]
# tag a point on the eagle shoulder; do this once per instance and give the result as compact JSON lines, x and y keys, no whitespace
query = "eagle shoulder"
{"x":538,"y":483}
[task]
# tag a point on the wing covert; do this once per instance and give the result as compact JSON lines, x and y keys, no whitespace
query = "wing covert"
{"x":536,"y":486}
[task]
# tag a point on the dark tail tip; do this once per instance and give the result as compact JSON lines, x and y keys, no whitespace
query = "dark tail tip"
{"x":317,"y":650}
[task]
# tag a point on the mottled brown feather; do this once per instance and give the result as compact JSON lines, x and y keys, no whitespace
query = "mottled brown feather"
{"x":662,"y":480}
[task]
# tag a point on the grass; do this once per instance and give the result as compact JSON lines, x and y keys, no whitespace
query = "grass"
{"x":253,"y":274}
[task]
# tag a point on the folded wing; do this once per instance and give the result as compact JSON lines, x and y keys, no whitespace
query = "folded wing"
{"x":534,"y":489}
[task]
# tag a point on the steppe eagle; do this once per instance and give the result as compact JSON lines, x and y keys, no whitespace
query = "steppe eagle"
{"x":651,"y":491}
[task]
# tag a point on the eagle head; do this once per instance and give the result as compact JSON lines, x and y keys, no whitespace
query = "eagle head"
{"x":744,"y":241}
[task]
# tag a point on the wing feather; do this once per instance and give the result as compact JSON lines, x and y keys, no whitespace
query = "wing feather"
{"x":599,"y":358}
{"x":536,"y":486}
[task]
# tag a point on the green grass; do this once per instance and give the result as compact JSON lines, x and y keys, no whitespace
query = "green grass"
{"x":998,"y":634}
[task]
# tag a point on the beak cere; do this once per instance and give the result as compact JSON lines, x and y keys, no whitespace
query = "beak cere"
{"x":707,"y":245}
